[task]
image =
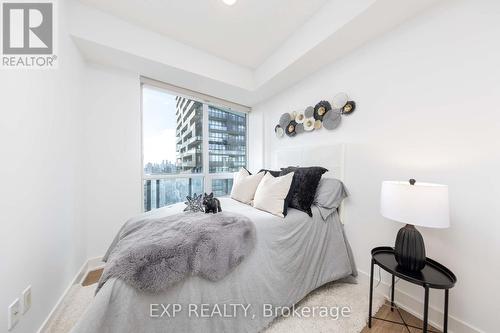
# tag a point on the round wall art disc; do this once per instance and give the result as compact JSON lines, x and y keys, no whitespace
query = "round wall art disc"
{"x":320,"y":109}
{"x":290,"y":129}
{"x":308,"y":124}
{"x":332,"y":119}
{"x":299,"y":128}
{"x":285,"y":120}
{"x":339,"y":100}
{"x":300,"y":117}
{"x":349,"y":107}
{"x":309,"y":112}
{"x":279,"y":131}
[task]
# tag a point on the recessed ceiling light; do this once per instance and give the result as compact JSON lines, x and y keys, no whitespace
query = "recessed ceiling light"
{"x":229,"y":2}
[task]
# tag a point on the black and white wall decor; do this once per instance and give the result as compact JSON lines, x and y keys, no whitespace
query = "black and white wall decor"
{"x":324,"y":114}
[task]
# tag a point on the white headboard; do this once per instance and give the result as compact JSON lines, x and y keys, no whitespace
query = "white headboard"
{"x":331,"y":157}
{"x":326,"y":156}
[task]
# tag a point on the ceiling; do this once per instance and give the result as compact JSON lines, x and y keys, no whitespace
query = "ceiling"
{"x":246,"y":33}
{"x":245,"y":53}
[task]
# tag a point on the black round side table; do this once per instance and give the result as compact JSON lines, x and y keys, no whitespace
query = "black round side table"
{"x":433,"y":275}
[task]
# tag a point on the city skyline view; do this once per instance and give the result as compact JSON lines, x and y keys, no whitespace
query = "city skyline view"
{"x":173,"y":136}
{"x":158,"y":127}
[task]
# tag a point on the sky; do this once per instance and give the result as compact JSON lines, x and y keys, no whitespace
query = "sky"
{"x":158,"y":125}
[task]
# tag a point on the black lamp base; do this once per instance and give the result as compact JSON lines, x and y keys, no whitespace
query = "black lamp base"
{"x":410,"y":249}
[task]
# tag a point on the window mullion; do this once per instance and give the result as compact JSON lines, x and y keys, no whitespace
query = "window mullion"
{"x":205,"y":153}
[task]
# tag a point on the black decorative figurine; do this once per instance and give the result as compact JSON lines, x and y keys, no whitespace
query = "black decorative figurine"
{"x":212,"y":205}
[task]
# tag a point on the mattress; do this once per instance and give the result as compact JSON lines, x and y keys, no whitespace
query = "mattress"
{"x":292,"y":257}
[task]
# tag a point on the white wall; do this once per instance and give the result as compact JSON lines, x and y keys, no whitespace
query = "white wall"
{"x":427,"y":95}
{"x":41,"y":241}
{"x":112,"y":155}
{"x":428,"y":99}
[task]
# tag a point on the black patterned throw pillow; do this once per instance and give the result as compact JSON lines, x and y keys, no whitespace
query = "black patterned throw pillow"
{"x":304,"y":185}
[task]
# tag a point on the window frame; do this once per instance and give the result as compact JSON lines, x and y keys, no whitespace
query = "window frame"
{"x":206,"y":101}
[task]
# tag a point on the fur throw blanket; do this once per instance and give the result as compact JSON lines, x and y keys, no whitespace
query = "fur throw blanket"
{"x":153,"y":254}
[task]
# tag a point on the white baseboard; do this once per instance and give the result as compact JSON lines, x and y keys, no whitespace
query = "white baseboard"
{"x":415,"y":307}
{"x":88,"y":265}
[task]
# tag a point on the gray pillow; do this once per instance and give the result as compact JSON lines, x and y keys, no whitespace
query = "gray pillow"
{"x":329,"y":196}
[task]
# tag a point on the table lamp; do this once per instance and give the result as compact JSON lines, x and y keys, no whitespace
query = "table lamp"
{"x":416,"y":204}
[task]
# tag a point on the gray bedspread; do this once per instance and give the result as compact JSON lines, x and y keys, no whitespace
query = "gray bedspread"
{"x":292,"y":257}
{"x":153,"y":254}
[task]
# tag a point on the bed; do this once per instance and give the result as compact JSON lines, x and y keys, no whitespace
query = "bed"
{"x":292,"y":257}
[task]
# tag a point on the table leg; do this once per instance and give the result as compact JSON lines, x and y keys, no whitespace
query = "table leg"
{"x":371,"y":296}
{"x":445,"y":323}
{"x":426,"y":309}
{"x":392,"y":294}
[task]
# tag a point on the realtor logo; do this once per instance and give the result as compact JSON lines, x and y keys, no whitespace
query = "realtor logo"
{"x":28,"y":34}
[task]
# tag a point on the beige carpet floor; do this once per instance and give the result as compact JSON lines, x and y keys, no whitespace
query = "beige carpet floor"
{"x":334,"y":294}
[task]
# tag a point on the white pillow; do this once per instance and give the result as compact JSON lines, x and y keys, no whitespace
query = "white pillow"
{"x":244,"y":185}
{"x":271,"y":193}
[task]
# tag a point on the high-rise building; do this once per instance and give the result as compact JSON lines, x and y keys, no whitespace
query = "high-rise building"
{"x":226,"y":135}
{"x":189,"y":135}
{"x":227,"y":140}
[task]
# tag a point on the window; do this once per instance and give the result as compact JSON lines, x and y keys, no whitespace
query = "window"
{"x":222,"y":187}
{"x":189,"y":146}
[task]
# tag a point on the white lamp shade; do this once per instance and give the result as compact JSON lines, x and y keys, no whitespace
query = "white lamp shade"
{"x":422,"y":204}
